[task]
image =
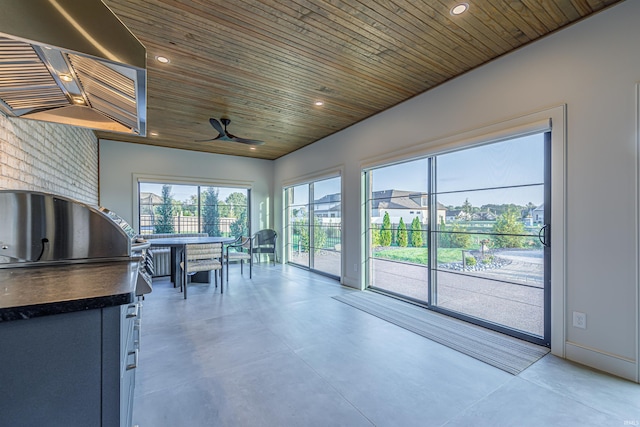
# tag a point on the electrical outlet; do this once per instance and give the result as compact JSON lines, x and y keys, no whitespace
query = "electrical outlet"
{"x":579,"y":320}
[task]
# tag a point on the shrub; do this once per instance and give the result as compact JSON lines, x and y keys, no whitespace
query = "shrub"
{"x":403,"y":240}
{"x":470,"y":261}
{"x":385,"y":233}
{"x":416,"y":233}
{"x":375,"y":236}
{"x":507,"y":228}
{"x":319,"y":236}
{"x":459,"y":239}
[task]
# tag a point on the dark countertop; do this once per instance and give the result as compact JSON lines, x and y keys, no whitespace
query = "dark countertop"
{"x":27,"y":292}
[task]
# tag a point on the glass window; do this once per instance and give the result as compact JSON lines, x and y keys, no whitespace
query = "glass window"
{"x":179,"y":208}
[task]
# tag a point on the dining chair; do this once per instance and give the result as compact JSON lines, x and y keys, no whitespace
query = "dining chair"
{"x":264,"y":242}
{"x":202,"y":257}
{"x":242,"y":248}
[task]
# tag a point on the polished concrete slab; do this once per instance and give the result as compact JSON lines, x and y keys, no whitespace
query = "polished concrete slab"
{"x":277,"y":350}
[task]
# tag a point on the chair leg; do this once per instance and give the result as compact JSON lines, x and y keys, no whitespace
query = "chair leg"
{"x":184,"y":274}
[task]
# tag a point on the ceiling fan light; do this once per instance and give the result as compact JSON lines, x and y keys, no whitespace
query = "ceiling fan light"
{"x":459,"y":9}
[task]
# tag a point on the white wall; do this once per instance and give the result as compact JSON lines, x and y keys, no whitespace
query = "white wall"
{"x":593,"y":68}
{"x":121,"y":163}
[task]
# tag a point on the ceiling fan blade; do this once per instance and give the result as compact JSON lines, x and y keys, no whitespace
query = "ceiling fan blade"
{"x":226,"y":136}
{"x":246,"y":141}
{"x":216,"y":125}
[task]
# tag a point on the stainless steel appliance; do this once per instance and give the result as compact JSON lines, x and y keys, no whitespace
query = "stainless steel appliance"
{"x":40,"y":228}
{"x":71,"y":62}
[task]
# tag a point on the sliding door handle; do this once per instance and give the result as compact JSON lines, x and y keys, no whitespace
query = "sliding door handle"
{"x":544,"y":235}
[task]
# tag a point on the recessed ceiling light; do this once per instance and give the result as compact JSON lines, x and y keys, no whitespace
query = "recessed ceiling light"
{"x":153,"y":133}
{"x":318,"y":103}
{"x":162,"y":59}
{"x":459,"y":9}
{"x":66,"y":77}
{"x":252,"y":148}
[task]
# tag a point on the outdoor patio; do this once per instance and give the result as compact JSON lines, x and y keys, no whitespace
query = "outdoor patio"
{"x":511,"y":295}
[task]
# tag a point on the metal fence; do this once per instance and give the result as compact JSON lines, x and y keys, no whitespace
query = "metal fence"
{"x":185,"y":224}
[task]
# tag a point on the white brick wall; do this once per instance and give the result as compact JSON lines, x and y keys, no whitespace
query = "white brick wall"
{"x":48,"y":157}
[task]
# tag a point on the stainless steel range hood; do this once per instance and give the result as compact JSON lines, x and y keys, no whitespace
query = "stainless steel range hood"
{"x":71,"y":62}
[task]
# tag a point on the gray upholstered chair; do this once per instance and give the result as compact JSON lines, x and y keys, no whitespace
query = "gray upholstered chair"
{"x":202,"y":257}
{"x":240,"y":251}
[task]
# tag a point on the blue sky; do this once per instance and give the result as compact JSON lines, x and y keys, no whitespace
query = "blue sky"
{"x":516,"y":162}
{"x":182,"y":192}
{"x":461,"y":175}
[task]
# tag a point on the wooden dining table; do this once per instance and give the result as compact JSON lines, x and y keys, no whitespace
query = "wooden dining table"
{"x":178,"y":244}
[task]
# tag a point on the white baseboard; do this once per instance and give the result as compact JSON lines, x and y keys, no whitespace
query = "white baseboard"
{"x":612,"y":364}
{"x":352,"y":282}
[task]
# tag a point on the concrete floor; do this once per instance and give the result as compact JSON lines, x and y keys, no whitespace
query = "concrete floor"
{"x":277,"y":350}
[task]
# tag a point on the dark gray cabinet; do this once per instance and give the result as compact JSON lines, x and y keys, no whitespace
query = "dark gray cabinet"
{"x":71,"y":369}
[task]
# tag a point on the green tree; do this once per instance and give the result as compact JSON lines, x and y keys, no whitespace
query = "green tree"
{"x":459,"y":239}
{"x":165,"y":212}
{"x":319,"y":236}
{"x":402,"y":239}
{"x":237,"y":203}
{"x":211,"y":212}
{"x":224,"y":209}
{"x":416,"y":232}
{"x":467,"y":207}
{"x":385,"y":232}
{"x":240,"y":227}
{"x":190,"y":205}
{"x":509,"y":230}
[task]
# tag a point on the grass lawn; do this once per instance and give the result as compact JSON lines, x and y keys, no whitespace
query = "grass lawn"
{"x":419,"y":255}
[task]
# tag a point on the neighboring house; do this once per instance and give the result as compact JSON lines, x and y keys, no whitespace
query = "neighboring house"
{"x":454,"y":215}
{"x":538,"y":214}
{"x":148,"y":201}
{"x":483,"y":216}
{"x":327,"y":206}
{"x":402,"y":204}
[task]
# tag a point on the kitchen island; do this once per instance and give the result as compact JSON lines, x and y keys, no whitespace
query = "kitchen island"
{"x":69,"y":342}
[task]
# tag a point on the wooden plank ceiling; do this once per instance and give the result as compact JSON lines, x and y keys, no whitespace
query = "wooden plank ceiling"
{"x":264,"y":63}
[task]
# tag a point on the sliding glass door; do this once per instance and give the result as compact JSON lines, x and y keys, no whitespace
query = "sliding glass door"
{"x":465,"y":233}
{"x":398,"y":206}
{"x":314,"y":226}
{"x":491,"y":253}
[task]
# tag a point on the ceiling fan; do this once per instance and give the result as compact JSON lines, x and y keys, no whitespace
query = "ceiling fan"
{"x":223,"y":135}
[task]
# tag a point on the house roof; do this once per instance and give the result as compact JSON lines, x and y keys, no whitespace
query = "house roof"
{"x":400,"y":199}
